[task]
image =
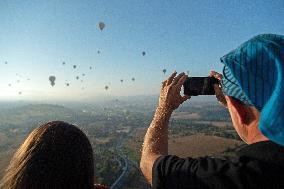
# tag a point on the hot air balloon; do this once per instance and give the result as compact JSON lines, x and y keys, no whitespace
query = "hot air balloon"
{"x":90,"y":67}
{"x":98,"y":52}
{"x":106,"y":87}
{"x":83,"y":74}
{"x":20,"y":92}
{"x":74,"y":66}
{"x":164,"y":70}
{"x":6,"y":62}
{"x":52,"y":80}
{"x":121,"y":80}
{"x":143,"y":53}
{"x":63,"y":63}
{"x":102,"y":26}
{"x":133,"y":79}
{"x":67,"y":84}
{"x":77,"y":77}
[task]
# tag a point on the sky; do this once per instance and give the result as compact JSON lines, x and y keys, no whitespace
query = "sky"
{"x":36,"y":37}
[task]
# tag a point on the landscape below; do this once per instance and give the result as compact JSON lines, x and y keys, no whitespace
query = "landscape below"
{"x":116,"y":129}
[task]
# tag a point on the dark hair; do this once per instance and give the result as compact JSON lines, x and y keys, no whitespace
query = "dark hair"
{"x":55,"y":155}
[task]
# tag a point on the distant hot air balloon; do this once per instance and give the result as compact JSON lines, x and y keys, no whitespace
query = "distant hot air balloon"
{"x":98,"y":52}
{"x":83,"y":74}
{"x":77,"y":77}
{"x":133,"y":79}
{"x":6,"y":62}
{"x":74,"y":66}
{"x":102,"y":26}
{"x":121,"y":80}
{"x":164,"y":70}
{"x":143,"y":53}
{"x":9,"y":85}
{"x":90,"y":67}
{"x":106,"y":87}
{"x":20,"y":92}
{"x":63,"y":63}
{"x":67,"y":84}
{"x":52,"y":80}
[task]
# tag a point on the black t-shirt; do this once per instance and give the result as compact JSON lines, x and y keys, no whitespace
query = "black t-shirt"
{"x":259,"y":165}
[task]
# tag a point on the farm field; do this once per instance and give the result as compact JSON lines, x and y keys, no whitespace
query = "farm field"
{"x":116,"y":128}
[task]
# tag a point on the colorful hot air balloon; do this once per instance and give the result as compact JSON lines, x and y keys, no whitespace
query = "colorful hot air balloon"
{"x":52,"y":80}
{"x":102,"y":26}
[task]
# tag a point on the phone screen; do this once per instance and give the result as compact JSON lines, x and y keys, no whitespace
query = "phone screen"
{"x":195,"y":86}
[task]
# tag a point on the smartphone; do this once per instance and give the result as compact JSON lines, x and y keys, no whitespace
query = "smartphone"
{"x":195,"y":86}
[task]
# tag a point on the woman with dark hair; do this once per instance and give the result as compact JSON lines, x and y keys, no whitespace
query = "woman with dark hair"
{"x":55,"y":155}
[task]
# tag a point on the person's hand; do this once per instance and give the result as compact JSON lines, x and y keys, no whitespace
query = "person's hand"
{"x":170,"y":97}
{"x":219,"y":94}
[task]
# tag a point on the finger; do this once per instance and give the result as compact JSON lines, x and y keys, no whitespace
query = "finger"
{"x":181,"y":81}
{"x":217,"y":89}
{"x":171,"y":78}
{"x":212,"y":73}
{"x":176,"y":79}
{"x":216,"y":75}
{"x":219,"y":95}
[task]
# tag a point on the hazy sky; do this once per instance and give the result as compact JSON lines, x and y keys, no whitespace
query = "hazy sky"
{"x":37,"y":36}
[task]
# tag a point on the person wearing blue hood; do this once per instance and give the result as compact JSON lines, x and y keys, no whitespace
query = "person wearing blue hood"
{"x":252,"y":88}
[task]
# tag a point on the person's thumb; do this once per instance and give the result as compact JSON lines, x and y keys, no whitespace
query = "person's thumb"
{"x":185,"y":98}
